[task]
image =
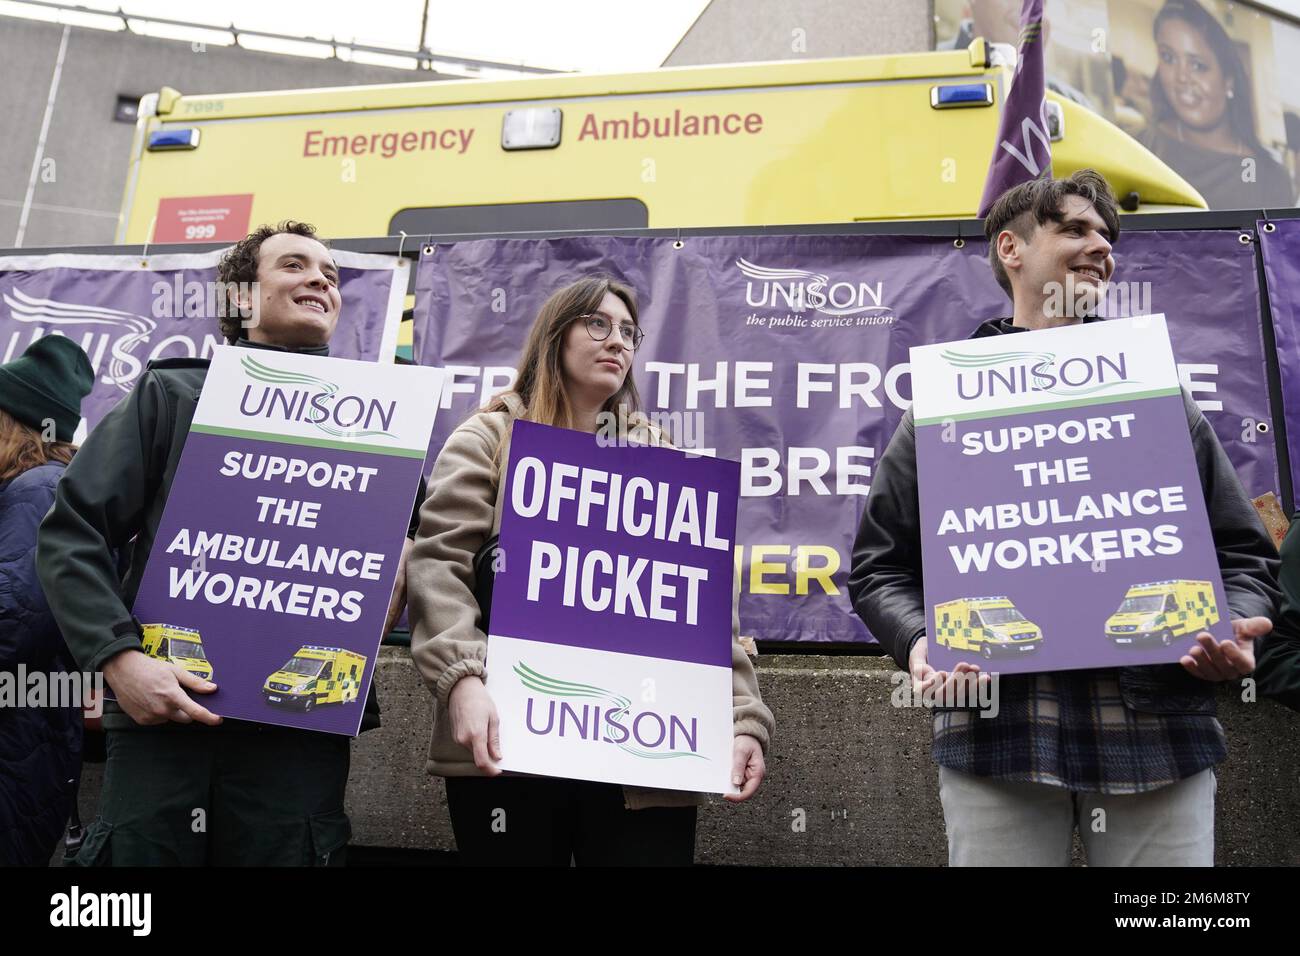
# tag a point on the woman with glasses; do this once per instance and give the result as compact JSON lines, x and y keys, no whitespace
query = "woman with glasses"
{"x":575,"y":372}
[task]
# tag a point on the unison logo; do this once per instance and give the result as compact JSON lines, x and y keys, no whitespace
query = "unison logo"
{"x":110,"y":333}
{"x":800,"y":290}
{"x":1016,"y":373}
{"x":297,"y":397}
{"x":646,"y":734}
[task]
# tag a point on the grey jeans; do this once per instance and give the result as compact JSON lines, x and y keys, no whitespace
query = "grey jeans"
{"x":994,"y":822}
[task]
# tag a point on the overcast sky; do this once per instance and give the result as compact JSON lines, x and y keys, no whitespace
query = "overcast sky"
{"x":590,"y":35}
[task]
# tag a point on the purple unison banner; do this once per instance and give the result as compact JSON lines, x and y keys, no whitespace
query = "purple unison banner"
{"x":609,"y":649}
{"x":277,"y":552}
{"x":125,"y":311}
{"x":1280,"y":248}
{"x":1044,"y":547}
{"x":789,"y":353}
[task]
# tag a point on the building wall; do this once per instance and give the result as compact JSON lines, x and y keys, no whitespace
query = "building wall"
{"x":90,"y":151}
{"x":79,"y":185}
{"x":739,"y":31}
{"x":850,"y":781}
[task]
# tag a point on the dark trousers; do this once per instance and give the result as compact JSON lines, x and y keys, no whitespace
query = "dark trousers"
{"x":547,"y":821}
{"x":247,"y":796}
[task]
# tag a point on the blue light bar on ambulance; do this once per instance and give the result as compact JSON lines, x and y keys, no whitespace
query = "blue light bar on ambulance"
{"x":164,"y":139}
{"x":958,"y":95}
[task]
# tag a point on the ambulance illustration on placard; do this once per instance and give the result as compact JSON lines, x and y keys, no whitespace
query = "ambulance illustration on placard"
{"x":316,"y":676}
{"x":177,"y":645}
{"x":987,"y":625}
{"x":1162,"y":611}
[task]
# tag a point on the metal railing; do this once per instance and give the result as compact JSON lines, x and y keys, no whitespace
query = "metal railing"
{"x":424,"y":57}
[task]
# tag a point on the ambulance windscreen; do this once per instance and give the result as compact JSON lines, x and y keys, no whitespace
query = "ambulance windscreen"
{"x":1145,"y":604}
{"x":303,"y":665}
{"x":1001,"y":615}
{"x":184,"y":648}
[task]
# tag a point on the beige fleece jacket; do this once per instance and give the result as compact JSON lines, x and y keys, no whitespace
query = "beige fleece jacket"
{"x":460,"y":513}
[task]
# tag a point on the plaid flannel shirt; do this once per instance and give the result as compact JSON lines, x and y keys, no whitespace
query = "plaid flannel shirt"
{"x":1072,"y":729}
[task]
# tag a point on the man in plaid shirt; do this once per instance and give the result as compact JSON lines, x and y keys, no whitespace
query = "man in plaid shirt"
{"x":1138,"y":744}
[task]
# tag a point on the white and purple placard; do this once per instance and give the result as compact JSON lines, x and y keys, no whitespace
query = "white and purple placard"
{"x":284,"y":526}
{"x":1062,"y":520}
{"x":609,"y":647}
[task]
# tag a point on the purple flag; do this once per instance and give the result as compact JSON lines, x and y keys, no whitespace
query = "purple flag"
{"x":1024,"y":150}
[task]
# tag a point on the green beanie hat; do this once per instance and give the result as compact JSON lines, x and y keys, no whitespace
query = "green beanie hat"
{"x":48,"y":383}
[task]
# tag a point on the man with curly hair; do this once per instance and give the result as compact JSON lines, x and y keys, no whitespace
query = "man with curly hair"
{"x":182,"y":787}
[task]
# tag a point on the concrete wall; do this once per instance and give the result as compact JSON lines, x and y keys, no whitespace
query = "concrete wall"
{"x":738,"y":31}
{"x":90,"y":150}
{"x":858,"y":768}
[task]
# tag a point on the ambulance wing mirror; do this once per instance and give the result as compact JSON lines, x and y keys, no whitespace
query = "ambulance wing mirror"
{"x":167,"y":99}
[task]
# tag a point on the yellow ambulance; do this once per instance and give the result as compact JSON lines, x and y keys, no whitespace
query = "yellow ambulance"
{"x":903,"y":136}
{"x":987,"y":625}
{"x":1162,"y":611}
{"x":314,"y":676}
{"x":177,"y":645}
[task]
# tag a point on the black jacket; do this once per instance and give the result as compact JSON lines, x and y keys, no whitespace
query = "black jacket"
{"x":112,"y":499}
{"x":885,"y":580}
{"x":40,"y":746}
{"x":1278,"y":670}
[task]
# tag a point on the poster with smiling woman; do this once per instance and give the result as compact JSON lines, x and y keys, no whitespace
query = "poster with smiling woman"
{"x":1198,"y":82}
{"x":1201,"y":76}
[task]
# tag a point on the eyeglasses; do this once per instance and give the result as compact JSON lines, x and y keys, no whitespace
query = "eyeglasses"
{"x":599,"y":325}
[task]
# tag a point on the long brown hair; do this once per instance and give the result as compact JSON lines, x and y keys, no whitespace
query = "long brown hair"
{"x":22,"y":448}
{"x":539,"y":380}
